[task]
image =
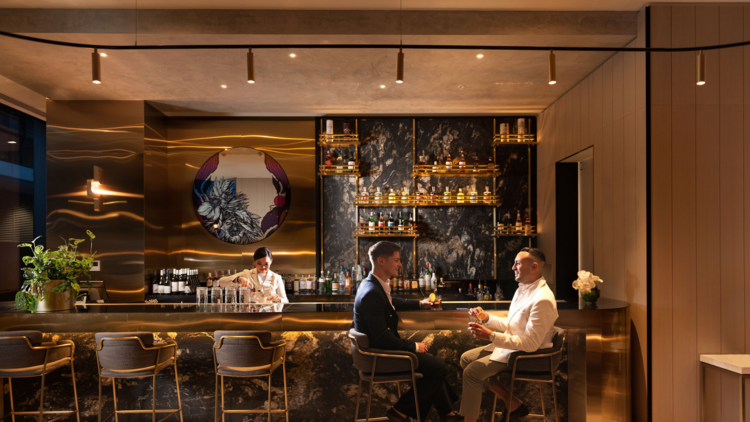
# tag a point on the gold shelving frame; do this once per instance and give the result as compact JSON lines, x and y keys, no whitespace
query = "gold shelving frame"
{"x":338,"y":140}
{"x":514,"y":233}
{"x":385,"y":232}
{"x":412,"y":201}
{"x":334,"y":170}
{"x":514,"y":139}
{"x":427,"y":170}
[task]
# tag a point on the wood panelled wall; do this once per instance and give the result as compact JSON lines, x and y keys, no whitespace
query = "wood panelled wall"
{"x":607,"y":110}
{"x":700,"y":199}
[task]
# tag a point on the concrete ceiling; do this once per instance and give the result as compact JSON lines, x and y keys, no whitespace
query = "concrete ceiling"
{"x":316,"y":81}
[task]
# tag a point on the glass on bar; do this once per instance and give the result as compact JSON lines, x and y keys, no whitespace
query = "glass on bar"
{"x":216,"y":295}
{"x":201,"y":296}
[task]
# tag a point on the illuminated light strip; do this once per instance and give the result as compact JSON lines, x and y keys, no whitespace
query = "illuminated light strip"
{"x":112,"y":129}
{"x":97,"y":217}
{"x":244,"y":136}
{"x":191,"y":166}
{"x":241,"y":253}
{"x":100,"y":192}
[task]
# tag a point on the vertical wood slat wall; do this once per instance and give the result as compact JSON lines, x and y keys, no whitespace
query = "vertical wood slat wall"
{"x":607,"y":110}
{"x":700,"y":198}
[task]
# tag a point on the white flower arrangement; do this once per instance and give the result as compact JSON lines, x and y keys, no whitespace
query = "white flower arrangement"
{"x":586,"y":282}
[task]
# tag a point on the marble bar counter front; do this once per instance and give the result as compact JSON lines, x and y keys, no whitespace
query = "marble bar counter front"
{"x":592,"y":381}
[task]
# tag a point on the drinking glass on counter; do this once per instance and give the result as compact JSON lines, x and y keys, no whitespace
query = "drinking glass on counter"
{"x":216,"y":295}
{"x":201,"y":296}
{"x":244,"y":295}
{"x":230,"y":295}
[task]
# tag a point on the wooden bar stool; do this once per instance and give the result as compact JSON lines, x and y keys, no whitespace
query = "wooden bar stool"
{"x":25,"y":356}
{"x":135,"y":355}
{"x":245,"y":354}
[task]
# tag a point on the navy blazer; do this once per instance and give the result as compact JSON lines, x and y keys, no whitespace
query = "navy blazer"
{"x":374,"y":316}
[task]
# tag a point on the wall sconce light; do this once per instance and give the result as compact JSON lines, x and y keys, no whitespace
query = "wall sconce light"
{"x":93,"y":188}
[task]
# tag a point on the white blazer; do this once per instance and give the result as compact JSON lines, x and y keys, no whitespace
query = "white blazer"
{"x":529,"y":325}
{"x":274,"y":284}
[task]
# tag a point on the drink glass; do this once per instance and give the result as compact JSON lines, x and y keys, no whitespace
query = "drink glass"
{"x":230,"y":297}
{"x":201,"y":296}
{"x":216,"y":295}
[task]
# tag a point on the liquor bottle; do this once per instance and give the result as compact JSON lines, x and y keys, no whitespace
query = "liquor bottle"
{"x":470,"y":293}
{"x":335,"y":284}
{"x":420,"y":196}
{"x":339,"y":163}
{"x":519,"y":225}
{"x":441,"y":285}
{"x":487,"y":296}
{"x":295,"y":284}
{"x":400,"y":281}
{"x":378,"y":195}
{"x":527,"y":224}
{"x":166,"y":288}
{"x":364,"y":197}
{"x":435,"y":162}
{"x":210,"y":281}
{"x":329,"y":283}
{"x":289,"y":285}
{"x":473,"y":195}
{"x":414,"y":283}
{"x":490,"y":164}
{"x":371,"y":222}
{"x":506,"y":222}
{"x":342,"y":281}
{"x":391,"y":222}
{"x":487,"y":195}
{"x":182,"y":281}
{"x":461,"y":161}
{"x":448,"y":162}
{"x":362,"y":223}
{"x":347,"y":132}
{"x":175,"y":281}
{"x":460,"y":196}
{"x":400,"y":222}
{"x":381,"y":223}
{"x":155,"y":283}
{"x":480,"y":292}
{"x":499,"y":293}
{"x":476,"y":295}
{"x":405,"y":196}
{"x":427,"y":278}
{"x":329,"y":159}
{"x":350,"y":162}
{"x":322,"y":284}
{"x":412,"y":223}
{"x":447,"y":195}
{"x":476,"y":163}
{"x":433,"y":195}
{"x":433,"y":281}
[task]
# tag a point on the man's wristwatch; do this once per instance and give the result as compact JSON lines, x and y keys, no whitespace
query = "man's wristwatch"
{"x":492,"y":336}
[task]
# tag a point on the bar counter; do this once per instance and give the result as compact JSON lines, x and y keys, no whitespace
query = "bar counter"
{"x":592,"y":379}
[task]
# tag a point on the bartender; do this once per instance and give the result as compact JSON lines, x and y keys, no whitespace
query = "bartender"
{"x":266,"y":282}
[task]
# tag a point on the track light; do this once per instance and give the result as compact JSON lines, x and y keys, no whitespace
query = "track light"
{"x":400,"y":70}
{"x":250,"y":66}
{"x":96,"y":67}
{"x":700,"y":68}
{"x":552,"y":68}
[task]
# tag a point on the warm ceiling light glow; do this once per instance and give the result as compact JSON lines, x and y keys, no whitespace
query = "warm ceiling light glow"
{"x":96,"y":67}
{"x":400,"y":68}
{"x":292,"y":55}
{"x":479,"y":56}
{"x":552,"y":68}
{"x":11,"y":142}
{"x":382,"y":86}
{"x":223,"y":86}
{"x":700,"y":69}
{"x":103,"y":54}
{"x":250,"y":66}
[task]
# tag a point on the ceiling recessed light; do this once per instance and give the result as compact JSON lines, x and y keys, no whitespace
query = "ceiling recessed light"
{"x":479,"y":56}
{"x":11,"y":142}
{"x":103,"y":54}
{"x":292,"y":55}
{"x":382,"y":86}
{"x":223,"y":86}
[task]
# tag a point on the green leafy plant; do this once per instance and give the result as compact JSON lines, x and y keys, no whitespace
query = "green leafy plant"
{"x":66,"y":264}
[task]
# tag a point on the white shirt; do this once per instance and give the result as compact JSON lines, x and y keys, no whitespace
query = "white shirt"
{"x":387,"y":289}
{"x":529,"y":325}
{"x":266,"y":284}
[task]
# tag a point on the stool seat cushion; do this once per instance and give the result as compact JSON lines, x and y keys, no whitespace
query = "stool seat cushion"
{"x":389,"y":377}
{"x":536,"y":376}
{"x":542,"y":364}
{"x":249,"y":371}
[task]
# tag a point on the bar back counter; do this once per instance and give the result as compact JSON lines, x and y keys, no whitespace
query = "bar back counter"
{"x":593,"y":380}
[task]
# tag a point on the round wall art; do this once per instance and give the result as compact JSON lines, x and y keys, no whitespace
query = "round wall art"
{"x":241,"y":195}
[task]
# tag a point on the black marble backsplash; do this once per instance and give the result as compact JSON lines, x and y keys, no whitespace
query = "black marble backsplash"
{"x":457,"y":241}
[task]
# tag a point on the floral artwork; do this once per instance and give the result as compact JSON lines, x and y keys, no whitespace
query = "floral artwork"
{"x":586,"y":282}
{"x":241,"y":195}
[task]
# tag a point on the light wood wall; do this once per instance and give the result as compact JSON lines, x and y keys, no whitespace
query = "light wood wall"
{"x":607,"y":110}
{"x":700,"y":198}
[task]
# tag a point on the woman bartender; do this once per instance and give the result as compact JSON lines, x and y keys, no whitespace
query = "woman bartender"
{"x":266,"y":282}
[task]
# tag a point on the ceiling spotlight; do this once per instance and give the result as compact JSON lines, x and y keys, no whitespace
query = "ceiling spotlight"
{"x":96,"y":67}
{"x":400,"y":69}
{"x":700,"y":68}
{"x":223,"y":86}
{"x":552,"y":70}
{"x":250,"y":66}
{"x":12,"y":142}
{"x":292,"y":55}
{"x":103,"y":54}
{"x":382,"y":86}
{"x":479,"y":56}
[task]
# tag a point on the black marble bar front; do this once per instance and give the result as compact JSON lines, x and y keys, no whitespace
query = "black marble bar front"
{"x":592,"y":381}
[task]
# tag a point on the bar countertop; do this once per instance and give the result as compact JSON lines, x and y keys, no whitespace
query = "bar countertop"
{"x":309,"y":316}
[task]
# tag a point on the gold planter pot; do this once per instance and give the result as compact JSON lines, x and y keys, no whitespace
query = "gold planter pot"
{"x":56,"y":302}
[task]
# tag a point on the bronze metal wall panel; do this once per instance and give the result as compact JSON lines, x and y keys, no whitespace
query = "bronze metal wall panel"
{"x":108,"y":134}
{"x":155,"y":188}
{"x":291,"y":143}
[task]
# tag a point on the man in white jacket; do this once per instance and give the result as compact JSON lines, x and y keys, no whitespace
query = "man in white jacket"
{"x":528,"y":327}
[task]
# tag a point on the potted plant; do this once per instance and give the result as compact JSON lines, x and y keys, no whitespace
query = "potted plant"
{"x":587,"y":288}
{"x":52,"y":277}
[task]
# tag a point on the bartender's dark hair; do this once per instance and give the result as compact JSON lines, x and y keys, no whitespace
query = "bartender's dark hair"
{"x":537,"y":254}
{"x":262,"y":253}
{"x":383,"y":249}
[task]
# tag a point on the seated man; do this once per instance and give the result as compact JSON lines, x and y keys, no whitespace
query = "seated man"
{"x":528,"y":327}
{"x":375,"y":315}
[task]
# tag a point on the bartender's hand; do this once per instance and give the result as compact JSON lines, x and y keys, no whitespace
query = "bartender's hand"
{"x":421,"y":348}
{"x":243,"y":282}
{"x":480,"y":331}
{"x":274,"y":298}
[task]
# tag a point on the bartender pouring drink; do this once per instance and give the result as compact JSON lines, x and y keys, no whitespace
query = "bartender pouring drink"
{"x":266,"y":282}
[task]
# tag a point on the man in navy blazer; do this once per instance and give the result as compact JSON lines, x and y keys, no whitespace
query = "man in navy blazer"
{"x":375,"y":315}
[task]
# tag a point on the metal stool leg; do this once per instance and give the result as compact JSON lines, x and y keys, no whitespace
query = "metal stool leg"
{"x":75,"y":392}
{"x":177,"y":384}
{"x":369,"y":398}
{"x":510,"y":401}
{"x":41,"y":399}
{"x":416,"y":398}
{"x":153,"y":400}
{"x":554,"y":396}
{"x":114,"y":394}
{"x":100,"y":398}
{"x":222,"y":398}
{"x":216,"y":399}
{"x":541,"y":399}
{"x":269,"y":397}
{"x":12,"y":410}
{"x":494,"y":408}
{"x":286,"y":402}
{"x":359,"y":397}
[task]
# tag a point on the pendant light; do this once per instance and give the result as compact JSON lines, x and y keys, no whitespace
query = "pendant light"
{"x":96,"y":67}
{"x":250,"y":66}
{"x":400,"y":69}
{"x":552,"y":68}
{"x":700,"y":68}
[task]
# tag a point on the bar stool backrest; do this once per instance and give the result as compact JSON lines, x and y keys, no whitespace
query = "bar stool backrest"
{"x":542,"y":363}
{"x":358,"y":343}
{"x":124,"y":355}
{"x":243,"y":352}
{"x":18,"y":350}
{"x":388,"y":361}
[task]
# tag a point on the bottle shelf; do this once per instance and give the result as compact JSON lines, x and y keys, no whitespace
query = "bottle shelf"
{"x":335,"y":170}
{"x":427,"y":170}
{"x":512,"y":232}
{"x":514,"y":139}
{"x":338,"y":140}
{"x":424,"y":201}
{"x":384,"y":232}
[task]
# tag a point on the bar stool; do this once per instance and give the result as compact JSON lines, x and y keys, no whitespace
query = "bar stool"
{"x":26,"y":356}
{"x":247,"y":354}
{"x":539,"y":367}
{"x":379,"y":367}
{"x":135,"y":355}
